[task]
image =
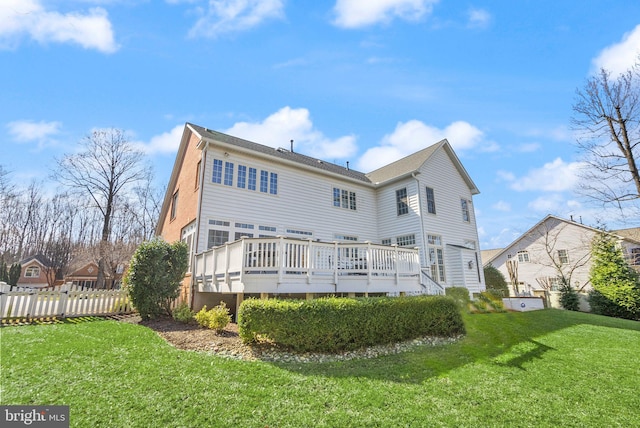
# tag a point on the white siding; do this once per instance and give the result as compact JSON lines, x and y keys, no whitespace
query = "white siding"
{"x":449,"y":188}
{"x":551,"y":235}
{"x":304,"y":202}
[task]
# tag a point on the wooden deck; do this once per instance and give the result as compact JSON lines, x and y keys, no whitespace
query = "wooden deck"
{"x":289,"y":265}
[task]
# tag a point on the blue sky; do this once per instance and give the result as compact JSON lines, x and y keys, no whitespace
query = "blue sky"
{"x":349,"y":80}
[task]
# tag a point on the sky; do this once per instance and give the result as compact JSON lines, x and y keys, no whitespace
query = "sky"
{"x":363,"y":81}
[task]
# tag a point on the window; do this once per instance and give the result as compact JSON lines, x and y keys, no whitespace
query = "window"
{"x":406,"y":240}
{"x":402,"y":201}
{"x":554,"y":283}
{"x":465,"y":210}
{"x":267,"y":228}
{"x":563,"y":257}
{"x":228,"y":174}
{"x":252,"y":179}
{"x":242,"y":176}
{"x":299,"y":232}
{"x":336,"y":197}
{"x":174,"y":205}
{"x":386,"y":241}
{"x":217,"y":237}
{"x":635,"y":257}
{"x":523,"y":256}
{"x":470,"y":244}
{"x":217,"y":171}
{"x":241,"y":234}
{"x":244,"y":226}
{"x":219,"y":223}
{"x":345,"y":238}
{"x":264,"y":181}
{"x":344,"y":198}
{"x":187,"y":235}
{"x":198,"y":171}
{"x":32,"y":272}
{"x":273,"y":183}
{"x":431,"y":201}
{"x":435,"y":254}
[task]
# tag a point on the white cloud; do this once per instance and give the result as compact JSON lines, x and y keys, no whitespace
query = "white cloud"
{"x":29,"y":18}
{"x":619,"y":57}
{"x":479,"y":18}
{"x":529,"y":147}
{"x":549,"y":203}
{"x":24,"y":131}
{"x":502,"y":206}
{"x":228,"y":16}
{"x":167,"y":142}
{"x":362,"y":13}
{"x":555,"y":176}
{"x":414,"y":135}
{"x":288,"y":124}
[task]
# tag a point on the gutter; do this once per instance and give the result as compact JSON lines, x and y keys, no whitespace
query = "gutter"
{"x":414,"y":175}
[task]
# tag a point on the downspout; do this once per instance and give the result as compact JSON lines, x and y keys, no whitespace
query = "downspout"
{"x":424,"y":252}
{"x":203,"y":167}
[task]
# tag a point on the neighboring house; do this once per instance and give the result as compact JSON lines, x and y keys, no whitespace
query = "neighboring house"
{"x":85,"y":274}
{"x":552,"y":249}
{"x":34,"y":272}
{"x":224,"y":188}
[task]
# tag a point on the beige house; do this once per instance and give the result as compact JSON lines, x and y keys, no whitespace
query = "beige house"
{"x":554,"y":249}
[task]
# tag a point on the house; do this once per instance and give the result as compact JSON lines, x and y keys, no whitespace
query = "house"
{"x":84,"y":273}
{"x":36,"y":272}
{"x":262,"y":220}
{"x":553,"y":249}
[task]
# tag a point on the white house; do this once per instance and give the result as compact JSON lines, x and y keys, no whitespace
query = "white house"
{"x":552,"y":249}
{"x":262,"y":220}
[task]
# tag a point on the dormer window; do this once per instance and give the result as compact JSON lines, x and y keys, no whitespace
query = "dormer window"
{"x":32,"y":272}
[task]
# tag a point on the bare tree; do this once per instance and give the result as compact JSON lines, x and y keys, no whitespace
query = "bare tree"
{"x":607,"y":119}
{"x":107,"y":167}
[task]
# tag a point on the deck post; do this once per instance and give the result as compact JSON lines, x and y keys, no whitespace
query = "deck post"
{"x":264,"y":296}
{"x":397,"y":264}
{"x":308,"y":260}
{"x":368,"y":259}
{"x":239,"y":299}
{"x":281,"y":259}
{"x":227,"y":257}
{"x":335,"y":263}
{"x":310,"y":296}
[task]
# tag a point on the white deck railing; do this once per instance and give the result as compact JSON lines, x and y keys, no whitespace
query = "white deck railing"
{"x":297,"y":266}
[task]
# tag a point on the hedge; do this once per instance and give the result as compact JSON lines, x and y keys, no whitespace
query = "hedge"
{"x":335,"y":324}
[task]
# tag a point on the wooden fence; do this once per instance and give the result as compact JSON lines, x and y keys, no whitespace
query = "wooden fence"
{"x":61,"y":302}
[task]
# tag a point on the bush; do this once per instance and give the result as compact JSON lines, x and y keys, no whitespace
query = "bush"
{"x":495,"y":281}
{"x":490,"y":298}
{"x":183,"y":313}
{"x":217,"y":318}
{"x":154,"y":275}
{"x":460,"y":295}
{"x":334,"y":324}
{"x":569,"y":299}
{"x":616,"y":285}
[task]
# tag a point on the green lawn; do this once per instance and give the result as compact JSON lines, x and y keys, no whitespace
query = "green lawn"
{"x":544,"y":368}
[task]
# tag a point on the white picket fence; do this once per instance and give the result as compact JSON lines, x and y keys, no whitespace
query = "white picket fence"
{"x":61,"y":302}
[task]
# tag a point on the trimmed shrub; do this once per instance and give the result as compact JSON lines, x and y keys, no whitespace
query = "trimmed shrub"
{"x":183,"y":313}
{"x":217,"y":318}
{"x":334,"y":324}
{"x":154,"y":275}
{"x":460,"y":295}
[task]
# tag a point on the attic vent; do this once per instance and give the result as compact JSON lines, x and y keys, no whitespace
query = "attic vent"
{"x":282,"y":150}
{"x":319,"y":161}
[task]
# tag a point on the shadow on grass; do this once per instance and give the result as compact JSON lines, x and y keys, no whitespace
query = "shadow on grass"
{"x":49,"y":321}
{"x":507,"y":339}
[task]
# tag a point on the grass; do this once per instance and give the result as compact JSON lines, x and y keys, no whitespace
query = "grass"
{"x":542,"y":368}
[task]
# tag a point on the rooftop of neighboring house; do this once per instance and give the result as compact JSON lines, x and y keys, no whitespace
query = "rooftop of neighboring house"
{"x":44,"y":261}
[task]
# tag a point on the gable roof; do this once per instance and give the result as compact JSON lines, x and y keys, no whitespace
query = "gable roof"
{"x":280,"y":153}
{"x":405,"y":166}
{"x":494,"y":256}
{"x":412,"y":163}
{"x":630,"y":234}
{"x":39,"y":258}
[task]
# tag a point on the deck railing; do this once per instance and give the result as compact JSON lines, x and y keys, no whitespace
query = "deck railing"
{"x":283,"y":259}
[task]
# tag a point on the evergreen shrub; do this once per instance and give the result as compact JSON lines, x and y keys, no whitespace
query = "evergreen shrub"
{"x":460,"y":295}
{"x":216,"y":318}
{"x":335,"y":324}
